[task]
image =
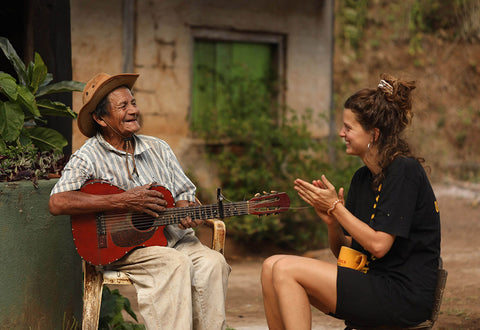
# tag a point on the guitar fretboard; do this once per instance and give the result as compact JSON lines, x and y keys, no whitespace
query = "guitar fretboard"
{"x":201,"y":212}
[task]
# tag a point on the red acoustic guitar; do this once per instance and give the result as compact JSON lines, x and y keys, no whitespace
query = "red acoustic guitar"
{"x":105,"y":237}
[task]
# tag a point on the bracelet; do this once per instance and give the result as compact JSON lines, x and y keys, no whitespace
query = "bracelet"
{"x":332,"y":208}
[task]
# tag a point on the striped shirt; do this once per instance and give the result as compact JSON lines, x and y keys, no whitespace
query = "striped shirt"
{"x":154,"y":160}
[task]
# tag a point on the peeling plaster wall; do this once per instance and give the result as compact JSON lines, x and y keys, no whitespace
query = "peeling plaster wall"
{"x":163,"y":55}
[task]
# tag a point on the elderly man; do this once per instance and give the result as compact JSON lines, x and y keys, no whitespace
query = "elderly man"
{"x":179,"y":286}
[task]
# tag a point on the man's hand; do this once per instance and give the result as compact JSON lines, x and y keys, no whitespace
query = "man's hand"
{"x":144,"y":200}
{"x":188,"y":222}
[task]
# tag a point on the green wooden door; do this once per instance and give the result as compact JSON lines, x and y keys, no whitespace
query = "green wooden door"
{"x":222,"y":72}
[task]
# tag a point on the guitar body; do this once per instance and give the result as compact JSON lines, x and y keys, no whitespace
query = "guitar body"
{"x":102,"y":238}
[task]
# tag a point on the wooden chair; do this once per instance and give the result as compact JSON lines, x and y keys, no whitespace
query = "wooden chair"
{"x":427,"y":324}
{"x":94,"y":278}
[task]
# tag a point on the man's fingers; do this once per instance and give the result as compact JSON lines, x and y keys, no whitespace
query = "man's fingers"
{"x":151,"y":213}
{"x":155,"y":193}
{"x":155,"y":207}
{"x":189,"y":223}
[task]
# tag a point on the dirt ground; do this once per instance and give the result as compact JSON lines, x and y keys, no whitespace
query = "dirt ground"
{"x":460,"y":217}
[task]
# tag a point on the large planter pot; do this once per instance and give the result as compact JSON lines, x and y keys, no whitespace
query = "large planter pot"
{"x":40,"y":271}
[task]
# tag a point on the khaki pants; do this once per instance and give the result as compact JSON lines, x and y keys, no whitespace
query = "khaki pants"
{"x":179,"y":288}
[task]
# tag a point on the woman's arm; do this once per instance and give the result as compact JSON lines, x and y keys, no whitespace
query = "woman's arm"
{"x":337,"y":238}
{"x":378,"y":243}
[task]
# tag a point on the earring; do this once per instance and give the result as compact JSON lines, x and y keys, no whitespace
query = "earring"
{"x":368,"y":145}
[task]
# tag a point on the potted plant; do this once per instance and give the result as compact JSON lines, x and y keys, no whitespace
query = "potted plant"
{"x":41,"y":272}
{"x":28,"y":149}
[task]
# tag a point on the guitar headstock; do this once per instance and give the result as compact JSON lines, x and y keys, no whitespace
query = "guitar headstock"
{"x":269,"y":203}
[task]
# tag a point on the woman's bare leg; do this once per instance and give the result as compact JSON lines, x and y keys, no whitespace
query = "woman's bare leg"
{"x":270,"y":300}
{"x":290,"y":284}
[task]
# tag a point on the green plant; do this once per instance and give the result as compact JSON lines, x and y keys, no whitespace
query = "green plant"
{"x":113,"y":303}
{"x":258,"y":145}
{"x":352,"y":16}
{"x":415,"y":27}
{"x":70,"y":323}
{"x":27,"y":163}
{"x":451,"y":19}
{"x":23,"y":107}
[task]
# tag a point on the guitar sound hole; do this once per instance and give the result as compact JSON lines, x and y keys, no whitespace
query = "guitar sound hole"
{"x":143,"y":223}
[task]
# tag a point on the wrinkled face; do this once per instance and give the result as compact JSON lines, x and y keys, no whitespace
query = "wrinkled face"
{"x":122,"y":112}
{"x":356,"y":138}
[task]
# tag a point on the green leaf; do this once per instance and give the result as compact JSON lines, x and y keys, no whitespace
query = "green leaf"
{"x":3,"y":145}
{"x":62,"y":86}
{"x":3,"y":117}
{"x":28,"y":100}
{"x":8,"y":86}
{"x":24,"y":139}
{"x":128,"y":308}
{"x":46,"y":138}
{"x":11,"y":117}
{"x":111,"y":311}
{"x":30,"y":67}
{"x":53,"y":108}
{"x":47,"y":80}
{"x":13,"y":57}
{"x":39,"y":73}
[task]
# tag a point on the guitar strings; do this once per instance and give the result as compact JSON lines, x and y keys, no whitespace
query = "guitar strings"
{"x":112,"y":221}
{"x":120,"y":223}
{"x":170,"y":212}
{"x":168,"y":216}
{"x":197,"y":210}
{"x":139,"y":221}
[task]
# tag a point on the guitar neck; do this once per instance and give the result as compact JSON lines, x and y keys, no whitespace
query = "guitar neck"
{"x":201,"y":212}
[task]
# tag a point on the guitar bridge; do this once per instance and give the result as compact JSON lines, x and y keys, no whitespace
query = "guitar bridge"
{"x":101,"y":231}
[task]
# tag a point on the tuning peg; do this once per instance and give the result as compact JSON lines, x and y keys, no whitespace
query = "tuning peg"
{"x":273,"y":191}
{"x":265,"y":193}
{"x":257,"y":194}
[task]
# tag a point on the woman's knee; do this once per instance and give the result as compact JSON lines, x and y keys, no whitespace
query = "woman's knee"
{"x":270,"y":264}
{"x":267,"y":265}
{"x":281,"y":269}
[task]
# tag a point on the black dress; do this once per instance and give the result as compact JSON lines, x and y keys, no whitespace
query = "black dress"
{"x":397,"y":289}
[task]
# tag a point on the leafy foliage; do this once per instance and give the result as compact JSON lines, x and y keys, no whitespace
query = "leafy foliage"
{"x":26,"y":163}
{"x":113,"y":303}
{"x":352,"y":19}
{"x":23,"y":111}
{"x":259,"y":144}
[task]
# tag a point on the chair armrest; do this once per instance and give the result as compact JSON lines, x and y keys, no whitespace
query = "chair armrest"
{"x":218,"y":235}
{"x":219,"y":232}
{"x":115,"y":277}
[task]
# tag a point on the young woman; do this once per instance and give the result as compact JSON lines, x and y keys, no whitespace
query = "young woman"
{"x":390,"y":215}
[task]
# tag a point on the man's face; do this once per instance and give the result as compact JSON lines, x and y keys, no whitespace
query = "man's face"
{"x":122,"y":112}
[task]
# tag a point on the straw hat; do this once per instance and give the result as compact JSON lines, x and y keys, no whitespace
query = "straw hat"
{"x":95,"y":90}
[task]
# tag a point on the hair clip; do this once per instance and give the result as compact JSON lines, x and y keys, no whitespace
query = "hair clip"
{"x":385,"y":87}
